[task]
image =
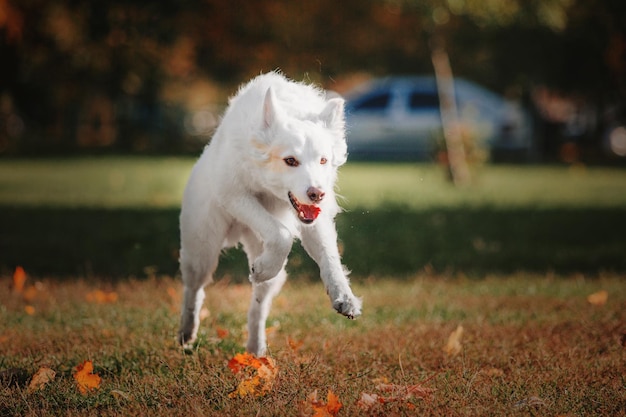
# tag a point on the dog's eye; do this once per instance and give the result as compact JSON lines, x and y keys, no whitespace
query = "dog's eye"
{"x":323,"y":161}
{"x":291,"y":161}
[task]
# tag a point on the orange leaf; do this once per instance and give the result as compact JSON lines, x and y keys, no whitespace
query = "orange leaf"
{"x":330,"y":408}
{"x":258,"y":375}
{"x":173,"y":298}
{"x":101,"y":297}
{"x":85,"y":378}
{"x":294,"y":345}
{"x":41,"y":378}
{"x":30,"y":310}
{"x":173,"y":294}
{"x":221,"y":332}
{"x":598,"y":298}
{"x":453,"y":347}
{"x":241,"y":360}
{"x":333,"y":405}
{"x":19,"y":279}
{"x":30,"y":293}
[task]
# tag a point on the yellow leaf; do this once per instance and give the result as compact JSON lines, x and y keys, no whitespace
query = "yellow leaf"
{"x":453,"y":346}
{"x":258,"y":375}
{"x":85,"y":378}
{"x":19,"y":279}
{"x":41,"y":378}
{"x":598,"y":298}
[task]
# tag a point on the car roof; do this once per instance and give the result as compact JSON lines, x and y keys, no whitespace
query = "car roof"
{"x":425,"y":82}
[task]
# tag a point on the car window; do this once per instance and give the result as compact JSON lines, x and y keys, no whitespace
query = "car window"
{"x":421,"y":100}
{"x":374,"y":102}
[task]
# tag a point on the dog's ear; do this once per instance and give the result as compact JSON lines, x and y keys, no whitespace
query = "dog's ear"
{"x":333,"y":117}
{"x":333,"y":114}
{"x":271,"y":111}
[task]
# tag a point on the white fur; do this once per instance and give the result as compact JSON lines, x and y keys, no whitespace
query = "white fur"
{"x":238,"y":193}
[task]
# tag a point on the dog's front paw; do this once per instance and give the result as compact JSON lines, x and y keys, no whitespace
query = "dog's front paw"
{"x":271,"y":261}
{"x":264,"y":269}
{"x":348,"y":305}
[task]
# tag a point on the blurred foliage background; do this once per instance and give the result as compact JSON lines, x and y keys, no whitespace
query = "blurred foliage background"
{"x":79,"y":76}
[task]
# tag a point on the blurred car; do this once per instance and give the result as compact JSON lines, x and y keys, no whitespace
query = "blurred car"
{"x":399,"y":118}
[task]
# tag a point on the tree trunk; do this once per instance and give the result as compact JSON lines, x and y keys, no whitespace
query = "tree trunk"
{"x":457,"y":161}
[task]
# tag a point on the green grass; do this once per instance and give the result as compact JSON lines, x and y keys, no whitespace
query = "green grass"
{"x":140,"y":182}
{"x":532,"y":345}
{"x":118,"y":216}
{"x":108,"y":182}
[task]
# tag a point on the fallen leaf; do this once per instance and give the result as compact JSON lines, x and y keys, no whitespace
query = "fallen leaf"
{"x":221,"y":332}
{"x":330,"y":408}
{"x":30,"y":293}
{"x":368,"y":401}
{"x":257,"y":375}
{"x":101,"y":297}
{"x":30,"y":310}
{"x":453,"y":346}
{"x":174,"y":298}
{"x":19,"y":279}
{"x":120,"y":395}
{"x":404,"y":392}
{"x":85,"y":378}
{"x":294,"y":345}
{"x":332,"y":403}
{"x":598,"y":298}
{"x":395,"y":394}
{"x":40,"y":379}
{"x":241,"y":360}
{"x":530,"y":402}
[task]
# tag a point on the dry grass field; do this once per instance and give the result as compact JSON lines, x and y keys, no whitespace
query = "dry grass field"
{"x":530,"y":345}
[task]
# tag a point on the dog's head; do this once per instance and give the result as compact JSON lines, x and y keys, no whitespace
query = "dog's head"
{"x":301,"y":155}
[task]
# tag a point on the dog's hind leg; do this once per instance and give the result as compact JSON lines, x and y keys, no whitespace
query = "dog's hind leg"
{"x":262,"y":295}
{"x":199,"y":256}
{"x":194,"y":279}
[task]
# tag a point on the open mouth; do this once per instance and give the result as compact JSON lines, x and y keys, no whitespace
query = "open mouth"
{"x":307,"y":213}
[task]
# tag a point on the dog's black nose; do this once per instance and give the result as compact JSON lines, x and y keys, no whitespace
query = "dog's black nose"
{"x":315,"y":194}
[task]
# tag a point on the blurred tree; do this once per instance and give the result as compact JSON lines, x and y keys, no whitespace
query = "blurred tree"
{"x":125,"y":74}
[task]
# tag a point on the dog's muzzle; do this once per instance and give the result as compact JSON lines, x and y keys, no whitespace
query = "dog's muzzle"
{"x":307,"y":213}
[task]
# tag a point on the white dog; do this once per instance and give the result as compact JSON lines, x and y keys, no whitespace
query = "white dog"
{"x":267,"y":177}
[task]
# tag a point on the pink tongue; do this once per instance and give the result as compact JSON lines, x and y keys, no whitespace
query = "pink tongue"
{"x":309,"y":212}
